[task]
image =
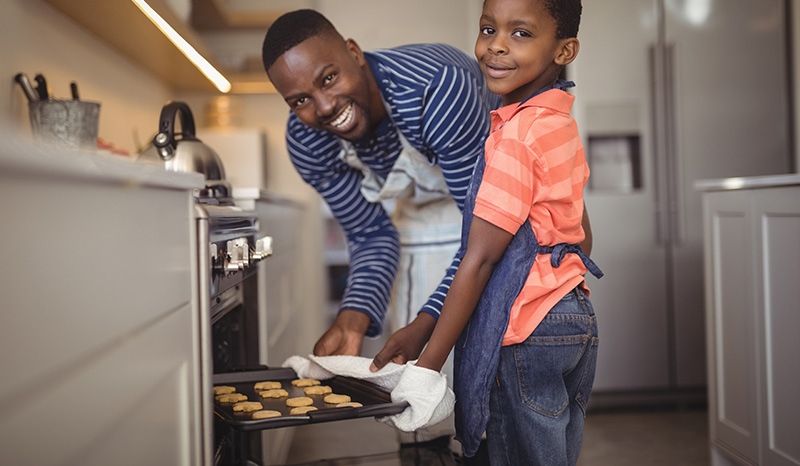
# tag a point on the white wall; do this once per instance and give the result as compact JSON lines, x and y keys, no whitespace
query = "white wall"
{"x":35,"y":38}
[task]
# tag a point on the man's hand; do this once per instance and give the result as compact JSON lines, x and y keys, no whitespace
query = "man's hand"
{"x":407,"y":343}
{"x":345,"y":336}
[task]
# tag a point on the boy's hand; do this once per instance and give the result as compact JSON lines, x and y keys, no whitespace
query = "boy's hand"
{"x":429,"y":399}
{"x":405,"y":344}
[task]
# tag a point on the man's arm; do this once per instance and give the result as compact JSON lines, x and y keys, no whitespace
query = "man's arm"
{"x":456,"y":126}
{"x":372,"y":239}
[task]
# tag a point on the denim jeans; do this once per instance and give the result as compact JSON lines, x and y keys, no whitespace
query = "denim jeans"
{"x":538,"y":401}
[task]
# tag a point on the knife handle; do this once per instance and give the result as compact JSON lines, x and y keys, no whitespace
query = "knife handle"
{"x":27,"y":88}
{"x":41,"y":87}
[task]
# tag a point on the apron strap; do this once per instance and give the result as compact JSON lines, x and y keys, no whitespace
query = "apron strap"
{"x":558,"y":252}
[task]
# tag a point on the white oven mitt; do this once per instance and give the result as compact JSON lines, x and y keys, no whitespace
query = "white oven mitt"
{"x":430,"y":399}
{"x":325,"y":367}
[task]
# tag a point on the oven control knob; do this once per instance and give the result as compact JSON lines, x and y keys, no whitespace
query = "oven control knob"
{"x":263,"y":248}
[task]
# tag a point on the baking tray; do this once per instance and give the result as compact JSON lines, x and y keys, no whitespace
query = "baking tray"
{"x":376,"y":401}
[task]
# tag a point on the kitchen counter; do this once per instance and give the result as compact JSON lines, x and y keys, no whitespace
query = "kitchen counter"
{"x":752,"y":267}
{"x":750,"y":182}
{"x":20,"y":156}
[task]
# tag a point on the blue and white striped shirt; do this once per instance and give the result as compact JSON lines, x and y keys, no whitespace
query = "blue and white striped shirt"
{"x":437,"y":98}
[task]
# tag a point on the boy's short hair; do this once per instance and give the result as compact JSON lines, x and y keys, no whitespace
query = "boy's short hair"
{"x":567,"y":14}
{"x":291,"y":29}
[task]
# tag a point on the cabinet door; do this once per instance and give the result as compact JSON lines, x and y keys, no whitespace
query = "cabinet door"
{"x":731,"y":320}
{"x":777,"y":217}
{"x":98,"y":340}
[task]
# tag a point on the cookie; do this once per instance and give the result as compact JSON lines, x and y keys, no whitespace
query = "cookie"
{"x":231,"y":398}
{"x":223,"y":389}
{"x":299,"y":401}
{"x":305,"y":382}
{"x":302,"y":409}
{"x":276,"y":393}
{"x":247,"y":406}
{"x":336,"y":399}
{"x":318,"y":390}
{"x":266,"y":413}
{"x":349,"y":404}
{"x":267,"y":386}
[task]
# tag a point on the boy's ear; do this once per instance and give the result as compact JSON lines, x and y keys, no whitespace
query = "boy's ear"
{"x":568,"y":51}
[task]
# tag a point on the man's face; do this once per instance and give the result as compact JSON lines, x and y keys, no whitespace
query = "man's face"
{"x":325,"y":82}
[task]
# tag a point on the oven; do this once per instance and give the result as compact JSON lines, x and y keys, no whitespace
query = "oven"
{"x":229,"y":253}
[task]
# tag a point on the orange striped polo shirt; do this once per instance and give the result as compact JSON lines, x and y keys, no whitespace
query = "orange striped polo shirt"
{"x":536,"y":170}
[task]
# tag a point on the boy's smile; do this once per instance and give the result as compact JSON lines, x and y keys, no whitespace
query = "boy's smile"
{"x":517,"y":48}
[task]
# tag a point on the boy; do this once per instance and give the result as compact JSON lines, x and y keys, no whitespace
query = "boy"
{"x":518,"y":306}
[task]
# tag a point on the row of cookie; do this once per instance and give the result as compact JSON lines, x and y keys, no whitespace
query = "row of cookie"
{"x":299,"y":405}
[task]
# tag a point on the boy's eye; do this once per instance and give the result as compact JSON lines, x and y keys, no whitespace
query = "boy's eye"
{"x":520,"y":34}
{"x":487,"y":30}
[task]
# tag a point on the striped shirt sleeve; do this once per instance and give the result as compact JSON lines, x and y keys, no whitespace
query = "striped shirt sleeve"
{"x":456,"y":123}
{"x":372,"y":238}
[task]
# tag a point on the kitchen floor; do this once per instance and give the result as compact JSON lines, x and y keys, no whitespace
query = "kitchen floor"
{"x":663,"y":437}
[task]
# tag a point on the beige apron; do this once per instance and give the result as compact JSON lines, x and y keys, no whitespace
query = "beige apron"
{"x":429,"y":225}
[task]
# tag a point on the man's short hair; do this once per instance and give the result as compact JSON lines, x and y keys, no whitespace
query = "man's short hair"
{"x":567,"y":14}
{"x":291,"y":29}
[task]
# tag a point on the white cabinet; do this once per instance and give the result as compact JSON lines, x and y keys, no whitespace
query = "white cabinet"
{"x":752,"y":271}
{"x":98,"y":334}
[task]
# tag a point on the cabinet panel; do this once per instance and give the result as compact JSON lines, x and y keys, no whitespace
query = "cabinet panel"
{"x":733,"y":401}
{"x":86,"y":264}
{"x":779,"y":224}
{"x":125,"y":404}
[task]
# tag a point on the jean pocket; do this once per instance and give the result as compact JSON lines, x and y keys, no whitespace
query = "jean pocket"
{"x":546,"y":368}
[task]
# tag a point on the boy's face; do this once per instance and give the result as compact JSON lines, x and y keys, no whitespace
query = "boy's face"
{"x":517,"y":48}
{"x":324,"y":80}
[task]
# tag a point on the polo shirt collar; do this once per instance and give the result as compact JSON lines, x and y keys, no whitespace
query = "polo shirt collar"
{"x":558,"y":101}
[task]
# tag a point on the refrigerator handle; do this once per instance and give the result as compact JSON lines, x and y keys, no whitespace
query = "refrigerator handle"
{"x":659,"y":119}
{"x":673,"y":160}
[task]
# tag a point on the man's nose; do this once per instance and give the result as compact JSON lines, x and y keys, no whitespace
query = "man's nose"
{"x":326,"y":104}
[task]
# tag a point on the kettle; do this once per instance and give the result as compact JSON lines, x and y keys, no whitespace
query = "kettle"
{"x":187,"y":153}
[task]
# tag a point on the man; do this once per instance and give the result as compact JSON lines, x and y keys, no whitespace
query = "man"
{"x":404,"y":125}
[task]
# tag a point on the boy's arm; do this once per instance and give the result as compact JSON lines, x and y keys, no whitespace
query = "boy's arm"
{"x":586,"y":245}
{"x":485,"y":247}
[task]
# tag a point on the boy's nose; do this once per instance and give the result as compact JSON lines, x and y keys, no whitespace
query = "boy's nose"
{"x":498,"y":47}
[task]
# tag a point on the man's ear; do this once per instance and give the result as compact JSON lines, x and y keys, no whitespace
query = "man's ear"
{"x":568,"y":51}
{"x":356,"y":51}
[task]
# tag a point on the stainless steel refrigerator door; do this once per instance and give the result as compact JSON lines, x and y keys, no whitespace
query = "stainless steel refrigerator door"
{"x":701,"y":86}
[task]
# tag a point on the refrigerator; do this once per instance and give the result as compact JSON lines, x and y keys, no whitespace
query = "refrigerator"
{"x":669,"y":92}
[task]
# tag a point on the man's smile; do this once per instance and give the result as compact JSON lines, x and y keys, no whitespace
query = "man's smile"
{"x":344,"y":119}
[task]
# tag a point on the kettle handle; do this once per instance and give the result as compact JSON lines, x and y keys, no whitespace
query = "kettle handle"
{"x":165,"y":139}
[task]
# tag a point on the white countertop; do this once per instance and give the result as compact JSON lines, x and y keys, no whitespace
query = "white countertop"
{"x":19,"y":156}
{"x":749,"y":182}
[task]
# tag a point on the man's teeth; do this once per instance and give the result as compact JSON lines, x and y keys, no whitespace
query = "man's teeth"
{"x":344,"y":118}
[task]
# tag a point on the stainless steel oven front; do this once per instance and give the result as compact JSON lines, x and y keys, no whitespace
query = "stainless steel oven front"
{"x":229,"y":252}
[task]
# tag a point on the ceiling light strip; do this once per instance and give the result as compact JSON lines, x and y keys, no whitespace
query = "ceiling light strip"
{"x":201,"y":63}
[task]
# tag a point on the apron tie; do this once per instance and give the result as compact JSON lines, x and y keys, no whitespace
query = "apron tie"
{"x":558,"y":251}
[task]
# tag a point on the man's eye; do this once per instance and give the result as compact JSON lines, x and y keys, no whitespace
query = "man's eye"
{"x":487,"y":30}
{"x":329,"y":78}
{"x":299,"y":102}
